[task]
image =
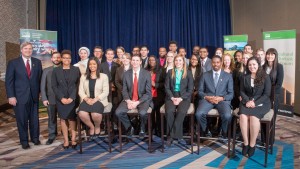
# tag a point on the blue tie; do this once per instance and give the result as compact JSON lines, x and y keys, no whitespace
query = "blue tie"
{"x":216,"y":79}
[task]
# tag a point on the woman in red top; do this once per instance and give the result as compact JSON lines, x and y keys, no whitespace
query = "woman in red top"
{"x":154,"y":68}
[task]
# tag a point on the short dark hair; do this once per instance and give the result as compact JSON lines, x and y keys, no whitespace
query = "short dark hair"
{"x":136,"y":47}
{"x":65,"y":51}
{"x":204,"y":48}
{"x":144,"y":46}
{"x":172,"y":42}
{"x":55,"y":52}
{"x":109,"y":49}
{"x":182,"y":48}
{"x":98,"y":47}
{"x":248,"y":45}
{"x":217,"y":56}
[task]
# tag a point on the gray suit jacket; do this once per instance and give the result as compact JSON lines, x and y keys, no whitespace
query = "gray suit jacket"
{"x":207,"y":66}
{"x":144,"y":85}
{"x":224,"y":87}
{"x":46,"y":87}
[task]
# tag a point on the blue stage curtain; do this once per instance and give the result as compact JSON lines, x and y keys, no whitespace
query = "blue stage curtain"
{"x":110,"y":23}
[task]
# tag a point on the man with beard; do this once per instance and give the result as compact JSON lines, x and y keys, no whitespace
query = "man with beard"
{"x":48,"y":97}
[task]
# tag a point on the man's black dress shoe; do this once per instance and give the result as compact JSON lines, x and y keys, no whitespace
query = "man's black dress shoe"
{"x":49,"y":141}
{"x":130,"y":132}
{"x":25,"y":146}
{"x":36,"y":142}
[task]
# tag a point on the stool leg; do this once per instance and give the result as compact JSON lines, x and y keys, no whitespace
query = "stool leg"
{"x":229,"y":139}
{"x":108,"y":132}
{"x":149,"y":132}
{"x":198,"y":138}
{"x":192,"y":133}
{"x":234,"y":135}
{"x":162,"y":131}
{"x":120,"y":135}
{"x":79,"y":134}
{"x":267,"y":143}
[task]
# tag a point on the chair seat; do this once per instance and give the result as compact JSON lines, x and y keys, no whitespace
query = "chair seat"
{"x":135,"y":111}
{"x":214,"y":112}
{"x":107,"y":109}
{"x":267,"y":117}
{"x":191,"y":109}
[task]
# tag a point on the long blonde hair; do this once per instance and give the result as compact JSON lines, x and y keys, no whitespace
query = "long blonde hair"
{"x":184,"y":67}
{"x":232,"y":64}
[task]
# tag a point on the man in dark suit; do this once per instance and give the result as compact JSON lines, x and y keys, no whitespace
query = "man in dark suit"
{"x":204,"y":61}
{"x":136,"y":94}
{"x":48,"y":97}
{"x":215,"y":91}
{"x":22,"y":82}
{"x":144,"y":55}
{"x":98,"y":53}
{"x":162,"y":56}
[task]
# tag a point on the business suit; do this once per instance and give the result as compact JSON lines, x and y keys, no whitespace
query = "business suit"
{"x":196,"y":78}
{"x":207,"y":65}
{"x":260,"y":94}
{"x":101,"y":89}
{"x":224,"y":89}
{"x":175,"y":122}
{"x":144,"y":95}
{"x":145,"y":62}
{"x":26,"y":91}
{"x":119,"y":82}
{"x":65,"y":85}
{"x":48,"y":94}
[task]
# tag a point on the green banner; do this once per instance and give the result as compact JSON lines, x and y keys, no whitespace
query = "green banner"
{"x":285,"y":34}
{"x":284,"y":41}
{"x":236,"y":38}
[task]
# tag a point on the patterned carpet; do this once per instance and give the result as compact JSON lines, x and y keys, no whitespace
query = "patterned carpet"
{"x":95,"y":154}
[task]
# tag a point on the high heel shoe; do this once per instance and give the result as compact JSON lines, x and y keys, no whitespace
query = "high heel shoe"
{"x":65,"y":147}
{"x":74,"y":146}
{"x":245,"y":150}
{"x":251,"y":151}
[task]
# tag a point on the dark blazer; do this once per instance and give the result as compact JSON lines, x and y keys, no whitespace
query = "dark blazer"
{"x":144,"y":85}
{"x":197,"y":76}
{"x":186,"y":86}
{"x":104,"y":68}
{"x":224,"y":87}
{"x":119,"y":81}
{"x":61,"y":88}
{"x":146,"y":63}
{"x":17,"y":82}
{"x":279,"y":79}
{"x":261,"y":94}
{"x":103,"y":59}
{"x":46,"y":86}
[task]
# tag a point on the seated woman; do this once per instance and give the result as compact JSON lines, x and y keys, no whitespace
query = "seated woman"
{"x":93,"y":92}
{"x":65,"y":79}
{"x":179,"y":86}
{"x":255,"y":91}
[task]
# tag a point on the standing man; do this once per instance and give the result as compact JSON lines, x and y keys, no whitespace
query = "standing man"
{"x":162,"y":56}
{"x":261,"y":54}
{"x":182,"y":52}
{"x":48,"y":97}
{"x":204,"y":60}
{"x":136,"y":94}
{"x":22,"y":82}
{"x":144,"y":56}
{"x":196,"y":50}
{"x":98,"y":53}
{"x":173,"y":47}
{"x":136,"y":50}
{"x":215,"y":91}
{"x":248,"y":49}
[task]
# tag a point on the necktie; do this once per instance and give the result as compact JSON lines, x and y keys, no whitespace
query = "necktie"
{"x":135,"y":96}
{"x":202,"y":63}
{"x":216,"y":79}
{"x":28,"y":68}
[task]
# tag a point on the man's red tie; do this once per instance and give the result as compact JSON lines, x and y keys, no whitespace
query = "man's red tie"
{"x":135,"y":96}
{"x":28,"y":68}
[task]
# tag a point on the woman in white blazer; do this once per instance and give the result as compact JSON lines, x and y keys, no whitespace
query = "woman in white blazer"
{"x":93,"y":92}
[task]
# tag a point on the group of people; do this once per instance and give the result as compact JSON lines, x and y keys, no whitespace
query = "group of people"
{"x":138,"y":81}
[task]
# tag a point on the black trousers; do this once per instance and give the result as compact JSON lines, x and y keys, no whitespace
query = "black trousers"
{"x":121,"y":113}
{"x":52,"y":121}
{"x":175,"y":116}
{"x":155,"y":115}
{"x":27,"y":114}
